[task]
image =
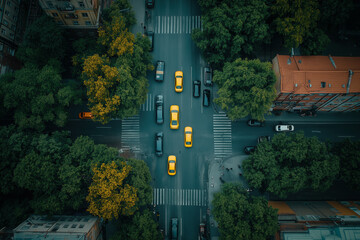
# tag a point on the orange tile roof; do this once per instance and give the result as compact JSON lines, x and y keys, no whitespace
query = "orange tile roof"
{"x":295,"y":76}
{"x":282,"y":207}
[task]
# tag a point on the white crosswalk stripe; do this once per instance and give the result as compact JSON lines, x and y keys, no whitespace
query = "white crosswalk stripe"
{"x":180,"y":197}
{"x":222,"y":136}
{"x":177,"y":24}
{"x":149,"y":104}
{"x":130,"y":134}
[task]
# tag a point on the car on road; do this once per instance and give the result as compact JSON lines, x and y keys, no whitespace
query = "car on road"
{"x":171,"y":165}
{"x":179,"y":81}
{"x":150,"y":3}
{"x":174,"y":117}
{"x":159,"y":137}
{"x":206,"y":97}
{"x":188,"y":136}
{"x":264,"y":139}
{"x":196,"y":88}
{"x":255,"y":123}
{"x":159,"y":102}
{"x":160,"y":71}
{"x":207,"y":76}
{"x":150,"y":35}
{"x":85,"y":115}
{"x":174,"y":228}
{"x":284,"y":128}
{"x":249,"y":149}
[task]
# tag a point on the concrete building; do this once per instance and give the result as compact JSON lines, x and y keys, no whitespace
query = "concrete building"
{"x":318,"y":220}
{"x":321,"y":83}
{"x":73,"y":14}
{"x":59,"y":227}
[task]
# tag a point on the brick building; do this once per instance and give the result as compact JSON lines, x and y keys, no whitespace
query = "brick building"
{"x":321,"y":83}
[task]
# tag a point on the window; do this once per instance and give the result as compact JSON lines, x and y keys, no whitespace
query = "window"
{"x":6,"y":23}
{"x":14,"y":18}
{"x":54,"y":14}
{"x":75,"y":22}
{"x":323,"y":84}
{"x":85,"y":15}
{"x":13,"y":27}
{"x":50,"y":4}
{"x":6,"y":12}
{"x":8,"y":3}
{"x":81,"y":4}
{"x":60,"y":23}
{"x":88,"y":23}
{"x":1,"y":46}
{"x":3,"y":31}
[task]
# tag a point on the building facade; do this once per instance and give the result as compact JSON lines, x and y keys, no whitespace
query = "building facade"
{"x":320,"y":83}
{"x":59,"y":227}
{"x":74,"y":14}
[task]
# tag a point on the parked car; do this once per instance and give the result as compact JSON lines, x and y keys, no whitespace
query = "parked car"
{"x":159,"y":144}
{"x":255,"y":123}
{"x":196,"y":88}
{"x":150,"y":35}
{"x":174,"y":116}
{"x":172,"y":165}
{"x":150,"y":3}
{"x":85,"y":115}
{"x":264,"y":139}
{"x":284,"y":128}
{"x":179,"y":81}
{"x":160,"y":71}
{"x":188,"y":136}
{"x":207,"y":76}
{"x":159,"y":102}
{"x":174,"y":228}
{"x":206,"y":97}
{"x":249,"y":149}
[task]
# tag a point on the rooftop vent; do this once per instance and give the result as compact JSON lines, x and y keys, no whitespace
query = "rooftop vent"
{"x":310,"y":85}
{"x":309,"y":81}
{"x":343,"y":85}
{"x":296,"y":85}
{"x":329,"y":84}
{"x":299,"y":61}
{"x":332,"y":61}
{"x":323,"y":84}
{"x":289,"y":61}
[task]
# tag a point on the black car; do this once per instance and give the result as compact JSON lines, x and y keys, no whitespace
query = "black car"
{"x":159,"y":102}
{"x":255,"y":123}
{"x":206,"y":97}
{"x":150,"y":3}
{"x":150,"y":35}
{"x":249,"y":149}
{"x":159,"y":144}
{"x":196,"y":88}
{"x":160,"y":71}
{"x":207,"y":76}
{"x":264,"y":139}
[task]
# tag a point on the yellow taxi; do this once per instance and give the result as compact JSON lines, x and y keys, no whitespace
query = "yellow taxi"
{"x":179,"y":81}
{"x":171,"y":165}
{"x":188,"y":136}
{"x":174,"y":117}
{"x":85,"y":115}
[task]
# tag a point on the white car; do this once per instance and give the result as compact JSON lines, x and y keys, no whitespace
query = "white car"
{"x":284,"y":128}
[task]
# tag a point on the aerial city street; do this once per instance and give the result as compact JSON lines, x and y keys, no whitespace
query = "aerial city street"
{"x":144,"y":119}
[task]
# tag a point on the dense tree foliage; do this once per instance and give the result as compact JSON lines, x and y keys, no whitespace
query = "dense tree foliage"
{"x":139,"y":226}
{"x":246,"y":87}
{"x":241,"y":216}
{"x":335,"y":13}
{"x":37,"y":97}
{"x":231,"y":29}
{"x":349,"y":154}
{"x":290,"y":163}
{"x":43,"y":43}
{"x":119,"y":8}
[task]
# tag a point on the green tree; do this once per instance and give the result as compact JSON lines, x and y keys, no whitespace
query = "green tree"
{"x":290,"y":163}
{"x":241,"y":216}
{"x":294,"y":20}
{"x":335,"y":13}
{"x":349,"y":154}
{"x":37,"y":97}
{"x":231,"y":29}
{"x":109,"y":196}
{"x":140,"y":226}
{"x":315,"y":42}
{"x":121,"y":8}
{"x":43,"y":43}
{"x":246,"y":87}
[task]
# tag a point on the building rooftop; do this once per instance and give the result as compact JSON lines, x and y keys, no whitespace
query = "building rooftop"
{"x":319,"y":74}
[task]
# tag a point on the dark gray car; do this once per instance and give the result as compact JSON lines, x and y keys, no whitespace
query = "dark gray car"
{"x":206,"y":97}
{"x":159,"y":102}
{"x":174,"y":228}
{"x":207,"y":76}
{"x":159,"y":137}
{"x":160,"y":71}
{"x":196,"y":88}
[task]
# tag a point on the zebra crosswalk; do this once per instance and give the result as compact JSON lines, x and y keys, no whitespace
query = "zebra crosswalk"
{"x":222,"y":135}
{"x":177,"y":24}
{"x":180,"y":197}
{"x":130,"y":134}
{"x":149,"y":104}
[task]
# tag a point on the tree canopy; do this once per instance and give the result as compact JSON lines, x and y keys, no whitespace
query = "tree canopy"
{"x":246,"y":87}
{"x":231,"y":29}
{"x":290,"y":163}
{"x":241,"y":216}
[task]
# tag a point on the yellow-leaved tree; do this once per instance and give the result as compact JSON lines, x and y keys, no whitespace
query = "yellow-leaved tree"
{"x":101,"y":81}
{"x":108,"y":196}
{"x":117,"y":37}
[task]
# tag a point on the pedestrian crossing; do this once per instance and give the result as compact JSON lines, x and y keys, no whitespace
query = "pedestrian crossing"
{"x":222,"y":135}
{"x":149,"y":104}
{"x":177,"y":24}
{"x":179,"y":197}
{"x":130,"y":134}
